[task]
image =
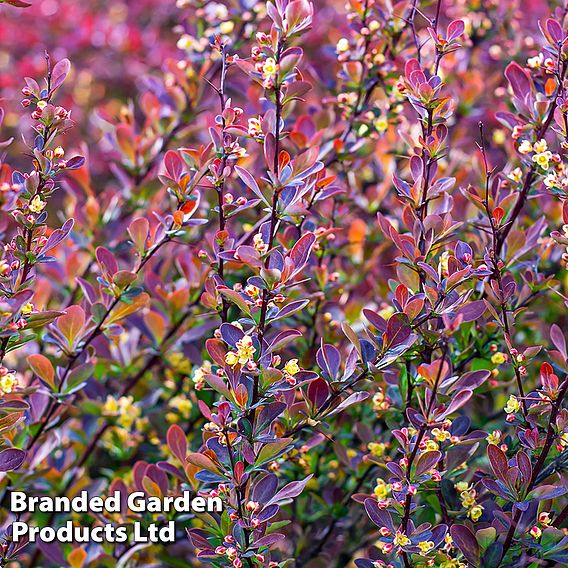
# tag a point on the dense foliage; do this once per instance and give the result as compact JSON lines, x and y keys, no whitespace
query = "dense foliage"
{"x":306,"y":257}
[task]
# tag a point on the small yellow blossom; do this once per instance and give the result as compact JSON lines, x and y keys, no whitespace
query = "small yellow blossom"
{"x":27,"y":309}
{"x":551,"y":181}
{"x":540,"y":146}
{"x":381,"y":124}
{"x":400,"y":539}
{"x":182,"y":404}
{"x":543,"y":159}
{"x":377,"y":448}
{"x":245,"y":349}
{"x":342,"y":45}
{"x":231,"y":358}
{"x":431,"y":446}
{"x":381,"y":489}
{"x":227,"y":27}
{"x":110,"y":407}
{"x":525,"y":147}
{"x":516,"y":175}
{"x":425,"y":546}
{"x":498,"y":358}
{"x":254,"y":126}
{"x":37,"y":205}
{"x":8,"y":382}
{"x":185,"y":42}
{"x":441,"y":435}
{"x":475,"y":513}
{"x":513,"y":405}
{"x":292,"y":367}
{"x":269,"y":68}
{"x":535,"y":532}
{"x":494,"y":438}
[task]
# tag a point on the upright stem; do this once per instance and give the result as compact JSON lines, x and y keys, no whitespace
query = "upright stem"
{"x":273,"y":214}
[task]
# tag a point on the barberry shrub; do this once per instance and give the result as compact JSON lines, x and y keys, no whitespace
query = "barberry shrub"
{"x":306,"y":258}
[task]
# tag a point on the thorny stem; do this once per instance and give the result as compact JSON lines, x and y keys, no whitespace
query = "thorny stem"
{"x":273,"y":214}
{"x":496,"y":261}
{"x":221,"y":187}
{"x":421,"y":432}
{"x":549,"y":440}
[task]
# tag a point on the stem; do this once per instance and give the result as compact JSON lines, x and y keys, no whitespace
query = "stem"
{"x":273,"y":215}
{"x":496,"y":261}
{"x":549,"y":440}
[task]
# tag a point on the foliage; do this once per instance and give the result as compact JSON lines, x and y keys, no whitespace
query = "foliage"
{"x":307,"y":258}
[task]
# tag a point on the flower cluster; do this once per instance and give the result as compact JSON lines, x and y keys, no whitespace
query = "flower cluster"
{"x":306,"y":258}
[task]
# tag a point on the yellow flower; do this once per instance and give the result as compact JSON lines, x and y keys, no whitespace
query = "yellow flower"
{"x":128,"y":412}
{"x":227,"y":27}
{"x":27,"y":309}
{"x":516,"y":175}
{"x":185,"y":42}
{"x":551,"y":180}
{"x":36,"y":205}
{"x":431,"y":446}
{"x":441,"y":435}
{"x":269,"y":68}
{"x":259,"y":243}
{"x":377,"y":448}
{"x":426,"y":546}
{"x":494,"y":438}
{"x":400,"y":539}
{"x":342,"y":45}
{"x":292,"y":367}
{"x":498,"y":358}
{"x":525,"y":147}
{"x":513,"y":405}
{"x":475,"y":513}
{"x":182,"y":404}
{"x":254,"y":127}
{"x":462,"y":486}
{"x":245,"y":349}
{"x":540,"y":146}
{"x":231,"y":358}
{"x":543,"y":159}
{"x":110,"y":407}
{"x":468,"y":498}
{"x":8,"y":382}
{"x":499,"y":136}
{"x":381,"y":124}
{"x":381,"y":489}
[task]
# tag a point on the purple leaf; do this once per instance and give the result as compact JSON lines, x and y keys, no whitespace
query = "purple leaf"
{"x":380,"y":517}
{"x":59,"y":73}
{"x":519,"y":80}
{"x":427,"y":461}
{"x":398,"y":330}
{"x":289,"y":491}
{"x":498,"y":461}
{"x":301,"y":251}
{"x":557,"y":337}
{"x":465,"y":540}
{"x":329,"y":360}
{"x":11,"y":458}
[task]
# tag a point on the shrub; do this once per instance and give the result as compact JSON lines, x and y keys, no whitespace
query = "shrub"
{"x":306,"y":258}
